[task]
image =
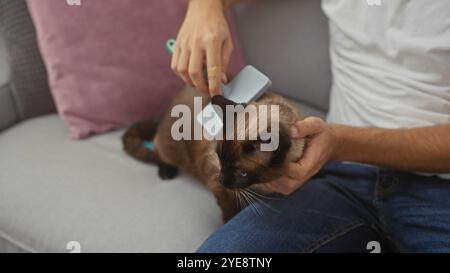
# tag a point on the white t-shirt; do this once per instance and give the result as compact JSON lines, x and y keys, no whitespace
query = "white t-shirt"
{"x":390,"y":62}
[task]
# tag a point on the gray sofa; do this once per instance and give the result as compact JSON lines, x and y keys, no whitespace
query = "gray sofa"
{"x":54,"y":190}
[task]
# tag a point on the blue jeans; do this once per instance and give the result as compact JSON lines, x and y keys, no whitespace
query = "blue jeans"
{"x":343,"y":209}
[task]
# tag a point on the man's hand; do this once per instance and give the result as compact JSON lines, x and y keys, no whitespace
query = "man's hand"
{"x":204,"y":40}
{"x":321,"y":146}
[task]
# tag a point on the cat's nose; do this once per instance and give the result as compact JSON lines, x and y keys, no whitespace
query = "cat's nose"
{"x":225,"y":181}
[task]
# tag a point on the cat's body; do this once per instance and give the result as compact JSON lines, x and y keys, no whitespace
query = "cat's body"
{"x":218,"y":163}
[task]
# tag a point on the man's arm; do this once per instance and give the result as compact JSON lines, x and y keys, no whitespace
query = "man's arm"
{"x":425,"y":149}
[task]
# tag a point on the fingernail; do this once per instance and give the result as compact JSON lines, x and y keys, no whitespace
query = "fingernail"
{"x":294,"y":132}
{"x":215,"y":91}
{"x":224,"y":78}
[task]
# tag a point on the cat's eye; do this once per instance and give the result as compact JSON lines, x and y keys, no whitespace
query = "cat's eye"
{"x":242,"y":173}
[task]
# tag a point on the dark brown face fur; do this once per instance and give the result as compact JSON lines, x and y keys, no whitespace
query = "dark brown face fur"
{"x":244,"y":164}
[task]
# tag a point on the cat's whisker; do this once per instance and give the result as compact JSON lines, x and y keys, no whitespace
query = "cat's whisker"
{"x":241,"y":203}
{"x":251,"y":193}
{"x":252,"y":203}
{"x":247,"y":201}
{"x":262,"y":196}
{"x":256,"y":201}
{"x":244,"y":197}
{"x":244,"y":200}
{"x":237,"y":198}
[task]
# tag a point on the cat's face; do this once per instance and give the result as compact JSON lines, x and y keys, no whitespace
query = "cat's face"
{"x":244,"y":164}
{"x":245,"y":160}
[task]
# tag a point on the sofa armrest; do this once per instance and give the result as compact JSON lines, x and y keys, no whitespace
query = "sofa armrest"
{"x":8,"y":114}
{"x":4,"y":65}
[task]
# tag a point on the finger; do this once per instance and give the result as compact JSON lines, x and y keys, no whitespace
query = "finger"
{"x":285,"y":185}
{"x":196,"y":70}
{"x":303,"y":175}
{"x":227,"y":50}
{"x":174,"y":61}
{"x":295,"y":171}
{"x":213,"y":63}
{"x":308,"y":161}
{"x":308,"y":165}
{"x":183,"y":66}
{"x":307,"y":127}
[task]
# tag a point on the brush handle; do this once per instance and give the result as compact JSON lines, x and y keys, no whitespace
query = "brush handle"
{"x":170,"y":44}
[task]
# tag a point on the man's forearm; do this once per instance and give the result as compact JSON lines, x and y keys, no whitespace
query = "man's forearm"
{"x":425,"y":149}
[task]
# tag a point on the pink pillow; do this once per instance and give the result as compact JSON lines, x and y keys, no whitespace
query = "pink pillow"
{"x":106,"y":60}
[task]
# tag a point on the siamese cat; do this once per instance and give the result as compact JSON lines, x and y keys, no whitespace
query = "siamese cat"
{"x":234,"y":169}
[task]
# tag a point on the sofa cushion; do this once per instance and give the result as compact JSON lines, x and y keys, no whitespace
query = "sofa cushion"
{"x":53,"y":190}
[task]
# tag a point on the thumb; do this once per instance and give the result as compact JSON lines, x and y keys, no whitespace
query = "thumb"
{"x":308,"y":126}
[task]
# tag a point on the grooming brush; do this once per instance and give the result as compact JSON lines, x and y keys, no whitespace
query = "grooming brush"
{"x":247,"y":86}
